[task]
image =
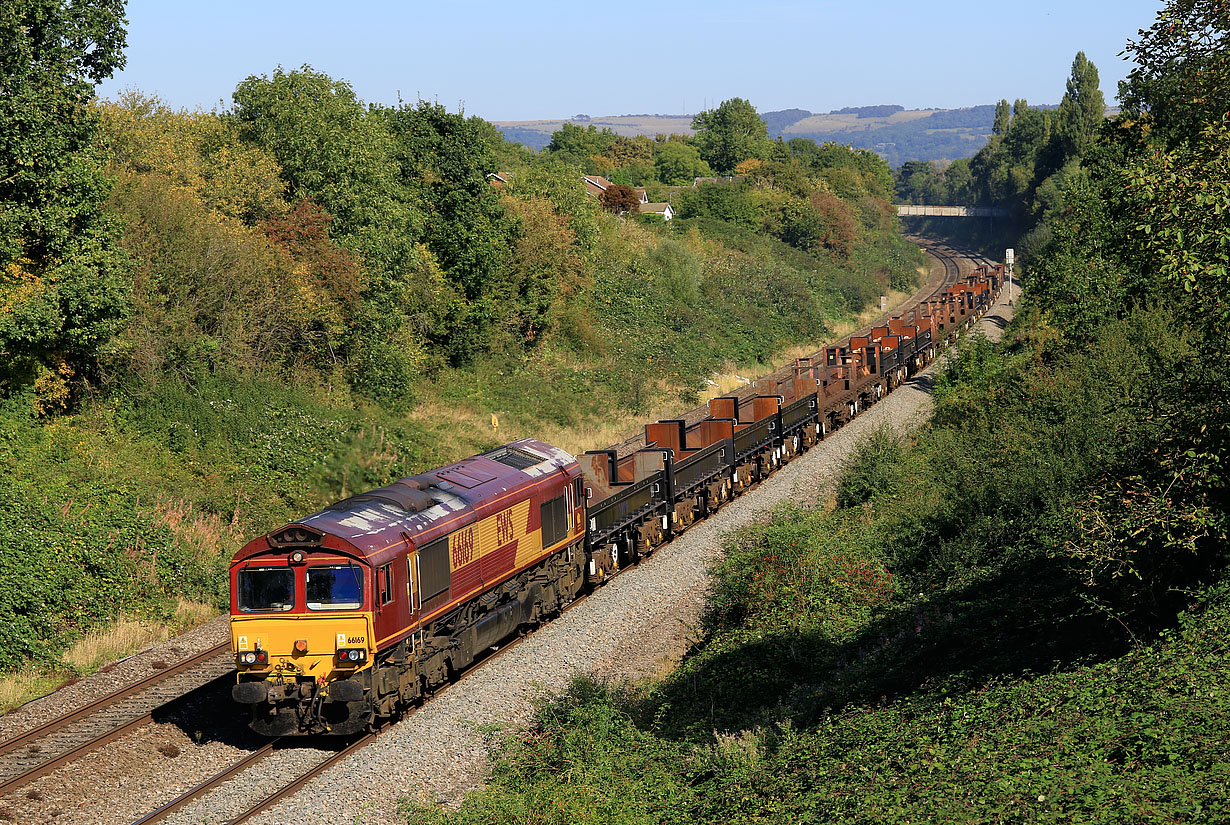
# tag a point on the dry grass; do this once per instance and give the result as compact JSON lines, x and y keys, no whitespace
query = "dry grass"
{"x":128,"y":635}
{"x":22,"y":686}
{"x":98,"y":648}
{"x":191,"y":614}
{"x":125,"y":637}
{"x":469,"y":428}
{"x":207,"y":533}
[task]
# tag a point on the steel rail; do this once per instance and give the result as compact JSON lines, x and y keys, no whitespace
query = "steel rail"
{"x":15,"y":742}
{"x":947,"y":256}
{"x":204,"y":787}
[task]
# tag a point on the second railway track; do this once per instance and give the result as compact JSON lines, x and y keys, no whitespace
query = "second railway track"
{"x":42,"y":749}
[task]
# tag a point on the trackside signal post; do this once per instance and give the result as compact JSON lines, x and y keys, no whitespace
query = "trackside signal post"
{"x":1009,"y":257}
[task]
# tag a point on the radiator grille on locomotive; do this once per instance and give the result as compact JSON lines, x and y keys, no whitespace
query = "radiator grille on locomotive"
{"x":517,"y":459}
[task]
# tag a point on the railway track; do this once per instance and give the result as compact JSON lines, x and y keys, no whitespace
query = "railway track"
{"x":952,"y":273}
{"x":40,"y":750}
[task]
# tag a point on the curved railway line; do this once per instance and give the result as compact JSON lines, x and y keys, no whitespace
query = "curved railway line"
{"x":45,"y":748}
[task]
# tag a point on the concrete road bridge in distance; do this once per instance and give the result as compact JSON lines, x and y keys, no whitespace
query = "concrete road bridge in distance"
{"x":913,"y":210}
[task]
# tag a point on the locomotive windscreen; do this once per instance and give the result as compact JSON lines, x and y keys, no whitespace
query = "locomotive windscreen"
{"x":266,"y":589}
{"x":336,"y":587}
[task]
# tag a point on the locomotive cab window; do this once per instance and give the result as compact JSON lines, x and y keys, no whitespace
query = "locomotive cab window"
{"x":334,"y":587}
{"x":266,"y":589}
{"x":385,"y":579}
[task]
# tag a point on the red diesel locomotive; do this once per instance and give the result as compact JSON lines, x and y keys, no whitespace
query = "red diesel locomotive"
{"x":357,"y":611}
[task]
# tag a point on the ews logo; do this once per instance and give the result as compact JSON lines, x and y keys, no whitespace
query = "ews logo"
{"x":504,"y":532}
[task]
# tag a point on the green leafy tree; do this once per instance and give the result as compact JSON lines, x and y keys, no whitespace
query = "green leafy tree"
{"x":329,"y":148}
{"x":63,"y":284}
{"x":561,"y":185}
{"x":732,"y":203}
{"x":1003,"y":117}
{"x":446,"y":158}
{"x":679,"y":163}
{"x":198,"y":151}
{"x":1181,"y":80}
{"x":336,"y":152}
{"x":1082,"y":109}
{"x":580,"y":145}
{"x":731,"y":133}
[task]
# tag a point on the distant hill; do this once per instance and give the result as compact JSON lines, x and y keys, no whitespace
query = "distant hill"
{"x":536,"y":134}
{"x":897,"y":134}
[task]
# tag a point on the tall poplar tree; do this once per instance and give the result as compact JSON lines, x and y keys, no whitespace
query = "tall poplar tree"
{"x":1003,"y":116}
{"x":1082,"y":109}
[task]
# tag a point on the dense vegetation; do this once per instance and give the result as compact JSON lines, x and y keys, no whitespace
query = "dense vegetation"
{"x":211,"y":322}
{"x":1018,"y":613}
{"x":1029,"y":161}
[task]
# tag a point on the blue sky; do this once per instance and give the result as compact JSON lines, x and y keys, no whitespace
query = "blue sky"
{"x":538,"y":59}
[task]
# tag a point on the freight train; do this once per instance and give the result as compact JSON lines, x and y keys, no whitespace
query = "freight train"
{"x":354,"y":614}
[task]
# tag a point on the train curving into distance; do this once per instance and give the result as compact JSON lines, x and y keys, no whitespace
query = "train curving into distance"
{"x":355,"y":613}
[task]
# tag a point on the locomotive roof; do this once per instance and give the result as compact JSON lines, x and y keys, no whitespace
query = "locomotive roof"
{"x":375,"y":520}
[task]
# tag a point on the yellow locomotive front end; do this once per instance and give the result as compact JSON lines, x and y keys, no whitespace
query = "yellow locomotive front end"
{"x":302,"y":635}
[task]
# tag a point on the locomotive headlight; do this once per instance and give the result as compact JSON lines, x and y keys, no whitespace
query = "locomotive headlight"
{"x":351,"y":656}
{"x":248,"y":658}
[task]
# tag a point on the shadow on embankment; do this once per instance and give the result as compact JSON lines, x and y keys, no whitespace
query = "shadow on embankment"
{"x":1027,"y":619}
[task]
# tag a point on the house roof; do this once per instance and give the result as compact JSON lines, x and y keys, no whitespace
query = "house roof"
{"x":656,"y":208}
{"x":596,"y":184}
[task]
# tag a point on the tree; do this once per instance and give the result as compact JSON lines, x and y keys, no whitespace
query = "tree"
{"x":1181,"y":81}
{"x":732,"y":203}
{"x":1003,"y":117}
{"x":580,"y":144}
{"x":330,"y":150}
{"x":731,"y":133}
{"x":336,"y":152}
{"x":679,"y":163}
{"x":198,"y":151}
{"x":619,"y":199}
{"x":63,"y":280}
{"x":1082,"y":109}
{"x":445,"y":158}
